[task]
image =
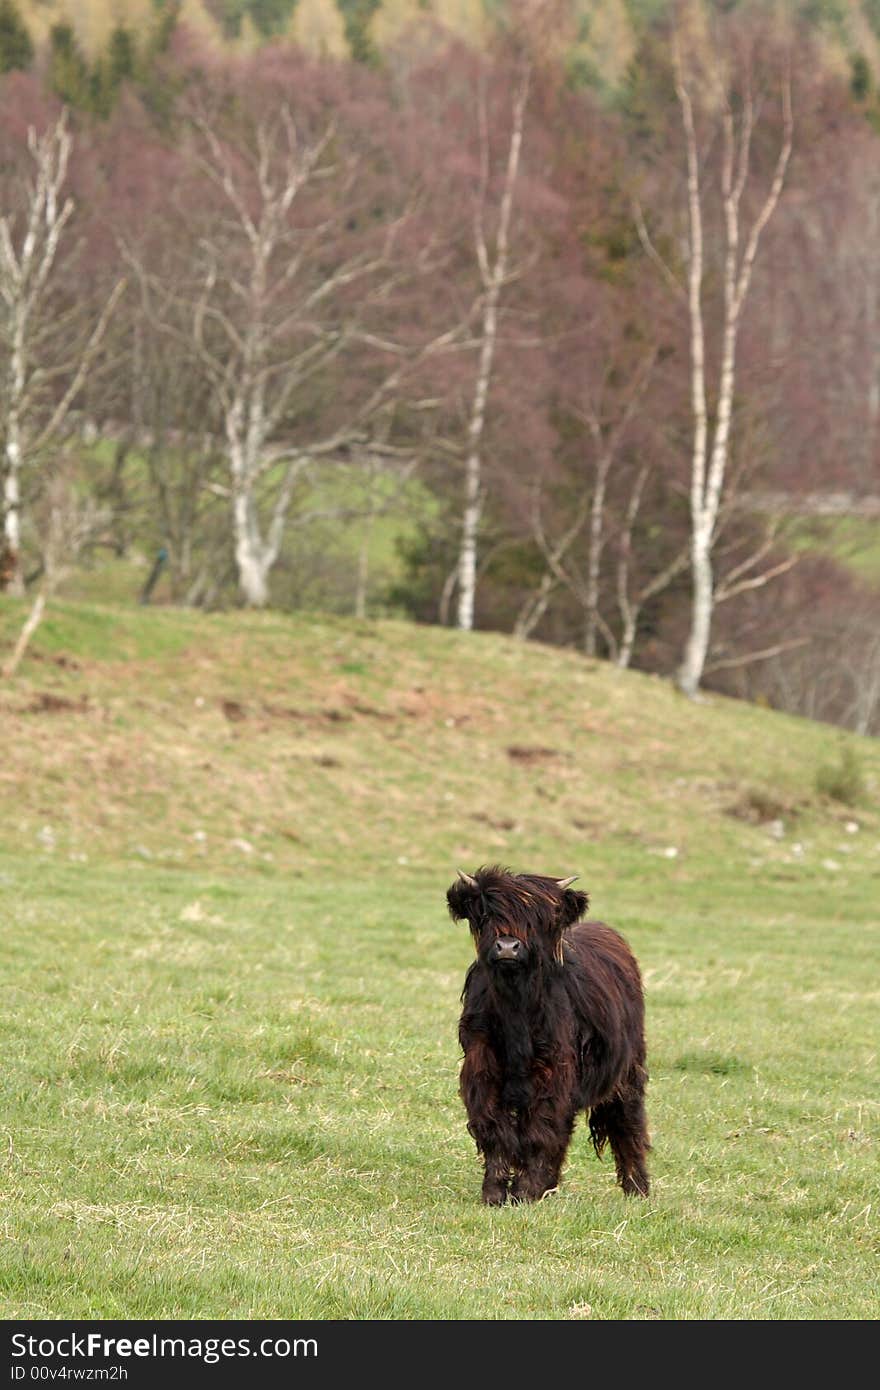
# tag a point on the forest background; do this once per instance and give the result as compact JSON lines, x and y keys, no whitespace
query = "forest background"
{"x":448,"y":310}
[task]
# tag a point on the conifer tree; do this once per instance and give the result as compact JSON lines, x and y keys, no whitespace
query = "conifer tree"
{"x":16,"y":47}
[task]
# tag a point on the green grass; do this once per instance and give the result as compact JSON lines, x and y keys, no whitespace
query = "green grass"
{"x":851,"y":540}
{"x":229,"y":989}
{"x":331,"y":523}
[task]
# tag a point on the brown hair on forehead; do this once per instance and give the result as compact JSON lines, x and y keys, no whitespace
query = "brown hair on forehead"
{"x":519,"y":905}
{"x":515,"y":915}
{"x":515,"y":929}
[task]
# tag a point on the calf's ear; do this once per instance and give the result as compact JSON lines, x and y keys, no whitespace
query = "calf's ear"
{"x":462,"y":896}
{"x":574,"y":905}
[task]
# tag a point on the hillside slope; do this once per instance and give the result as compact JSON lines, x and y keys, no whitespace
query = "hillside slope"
{"x":316,"y":741}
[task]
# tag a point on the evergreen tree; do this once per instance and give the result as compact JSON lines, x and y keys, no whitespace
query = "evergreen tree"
{"x":121,"y":56}
{"x":16,"y":47}
{"x":112,"y":69}
{"x":357,"y":15}
{"x":69,"y":75}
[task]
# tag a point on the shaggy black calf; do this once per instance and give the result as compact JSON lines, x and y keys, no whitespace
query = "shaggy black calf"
{"x":552,"y":1024}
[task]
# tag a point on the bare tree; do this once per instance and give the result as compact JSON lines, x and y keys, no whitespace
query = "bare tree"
{"x":70,"y":523}
{"x":168,"y":403}
{"x":872,"y":323}
{"x":44,"y":356}
{"x":711,"y":440}
{"x":276,"y":299}
{"x":821,"y":654}
{"x":631,"y":603}
{"x":537,"y":602}
{"x":607,"y":438}
{"x":606,"y":413}
{"x":861,"y":660}
{"x":494,"y":273}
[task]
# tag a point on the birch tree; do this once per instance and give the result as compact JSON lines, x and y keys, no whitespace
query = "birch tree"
{"x":741,"y":237}
{"x":69,"y":524}
{"x":631,"y":599}
{"x":574,"y":558}
{"x":872,"y":323}
{"x":45,"y":355}
{"x":494,"y":266}
{"x":273,"y":304}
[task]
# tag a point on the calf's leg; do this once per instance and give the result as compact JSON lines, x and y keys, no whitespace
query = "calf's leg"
{"x":543,"y":1143}
{"x":489,"y":1123}
{"x":621,"y":1122}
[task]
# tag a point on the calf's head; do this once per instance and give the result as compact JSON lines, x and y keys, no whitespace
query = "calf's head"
{"x":516,"y":920}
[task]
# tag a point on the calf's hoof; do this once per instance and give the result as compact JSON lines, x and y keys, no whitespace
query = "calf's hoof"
{"x":494,"y":1194}
{"x":530,"y":1192}
{"x":635,"y":1185}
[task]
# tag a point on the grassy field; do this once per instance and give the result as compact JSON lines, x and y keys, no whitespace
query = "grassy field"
{"x":230,"y":987}
{"x":345,"y":516}
{"x":852,"y":541}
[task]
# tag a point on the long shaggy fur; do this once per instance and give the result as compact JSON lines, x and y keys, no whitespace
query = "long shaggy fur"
{"x":553,"y":1028}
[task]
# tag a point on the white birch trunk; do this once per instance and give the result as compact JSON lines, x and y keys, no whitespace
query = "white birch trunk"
{"x":629,"y":611}
{"x":691,"y":668}
{"x":362,"y":581}
{"x":534,"y":608}
{"x":627,"y":640}
{"x":10,"y":564}
{"x":867,"y":685}
{"x":702,"y":605}
{"x":13,"y":455}
{"x":31,"y":623}
{"x":24,"y":271}
{"x":250,"y":560}
{"x":70,"y":526}
{"x":707,"y":483}
{"x":494,"y":276}
{"x":362,"y":578}
{"x":252,"y":556}
{"x":28,"y":252}
{"x":872,"y":325}
{"x":473,"y":502}
{"x":594,"y":553}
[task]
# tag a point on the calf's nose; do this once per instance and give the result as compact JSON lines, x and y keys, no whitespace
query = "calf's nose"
{"x":507,"y":948}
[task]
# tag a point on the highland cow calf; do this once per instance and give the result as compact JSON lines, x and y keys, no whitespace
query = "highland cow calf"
{"x":552,"y":1024}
